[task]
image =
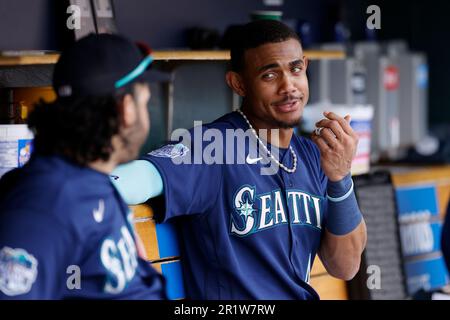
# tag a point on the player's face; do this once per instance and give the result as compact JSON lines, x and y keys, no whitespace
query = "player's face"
{"x":139,"y":131}
{"x":275,"y":82}
{"x":142,"y":97}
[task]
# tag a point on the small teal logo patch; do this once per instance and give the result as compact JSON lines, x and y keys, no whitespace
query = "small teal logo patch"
{"x":171,"y":151}
{"x":18,"y":271}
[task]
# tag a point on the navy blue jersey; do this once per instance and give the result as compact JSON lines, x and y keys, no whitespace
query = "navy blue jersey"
{"x":245,"y":235}
{"x":65,"y":233}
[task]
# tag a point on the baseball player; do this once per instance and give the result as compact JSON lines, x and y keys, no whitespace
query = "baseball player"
{"x":244,"y":234}
{"x":65,"y":232}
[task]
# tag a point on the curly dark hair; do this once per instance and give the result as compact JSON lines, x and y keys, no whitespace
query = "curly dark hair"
{"x":79,"y":129}
{"x":255,"y":34}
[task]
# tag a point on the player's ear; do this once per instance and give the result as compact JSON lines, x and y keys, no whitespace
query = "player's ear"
{"x":235,"y":82}
{"x":127,"y":111}
{"x":306,"y":62}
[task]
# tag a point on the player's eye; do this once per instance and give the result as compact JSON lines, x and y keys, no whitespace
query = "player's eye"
{"x":268,"y":76}
{"x":296,"y":69}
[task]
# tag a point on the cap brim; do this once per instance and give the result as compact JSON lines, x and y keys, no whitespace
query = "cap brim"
{"x":155,"y":76}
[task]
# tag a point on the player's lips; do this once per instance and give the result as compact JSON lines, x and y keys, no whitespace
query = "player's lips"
{"x":287,"y":105}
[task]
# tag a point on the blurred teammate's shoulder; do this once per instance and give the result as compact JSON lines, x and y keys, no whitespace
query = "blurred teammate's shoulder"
{"x":51,"y":185}
{"x":8,"y":181}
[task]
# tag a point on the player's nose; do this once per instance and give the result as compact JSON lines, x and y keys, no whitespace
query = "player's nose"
{"x":287,"y":85}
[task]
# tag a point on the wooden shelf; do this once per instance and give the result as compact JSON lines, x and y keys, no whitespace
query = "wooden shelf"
{"x":191,"y":55}
{"x":225,"y":55}
{"x":28,"y":60}
{"x":163,"y":55}
{"x":324,"y":54}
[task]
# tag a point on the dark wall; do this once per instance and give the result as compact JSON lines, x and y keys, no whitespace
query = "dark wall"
{"x":26,"y":24}
{"x":32,"y":24}
{"x":163,"y":25}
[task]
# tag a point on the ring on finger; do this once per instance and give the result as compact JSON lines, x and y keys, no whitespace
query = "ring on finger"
{"x":318,"y":131}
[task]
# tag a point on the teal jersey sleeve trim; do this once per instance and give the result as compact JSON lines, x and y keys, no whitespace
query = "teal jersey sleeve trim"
{"x":137,"y":181}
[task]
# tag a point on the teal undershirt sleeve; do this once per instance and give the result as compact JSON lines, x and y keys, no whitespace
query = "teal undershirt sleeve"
{"x":137,"y":181}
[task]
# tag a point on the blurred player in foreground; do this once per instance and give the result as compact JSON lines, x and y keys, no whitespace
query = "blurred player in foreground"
{"x":65,"y":232}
